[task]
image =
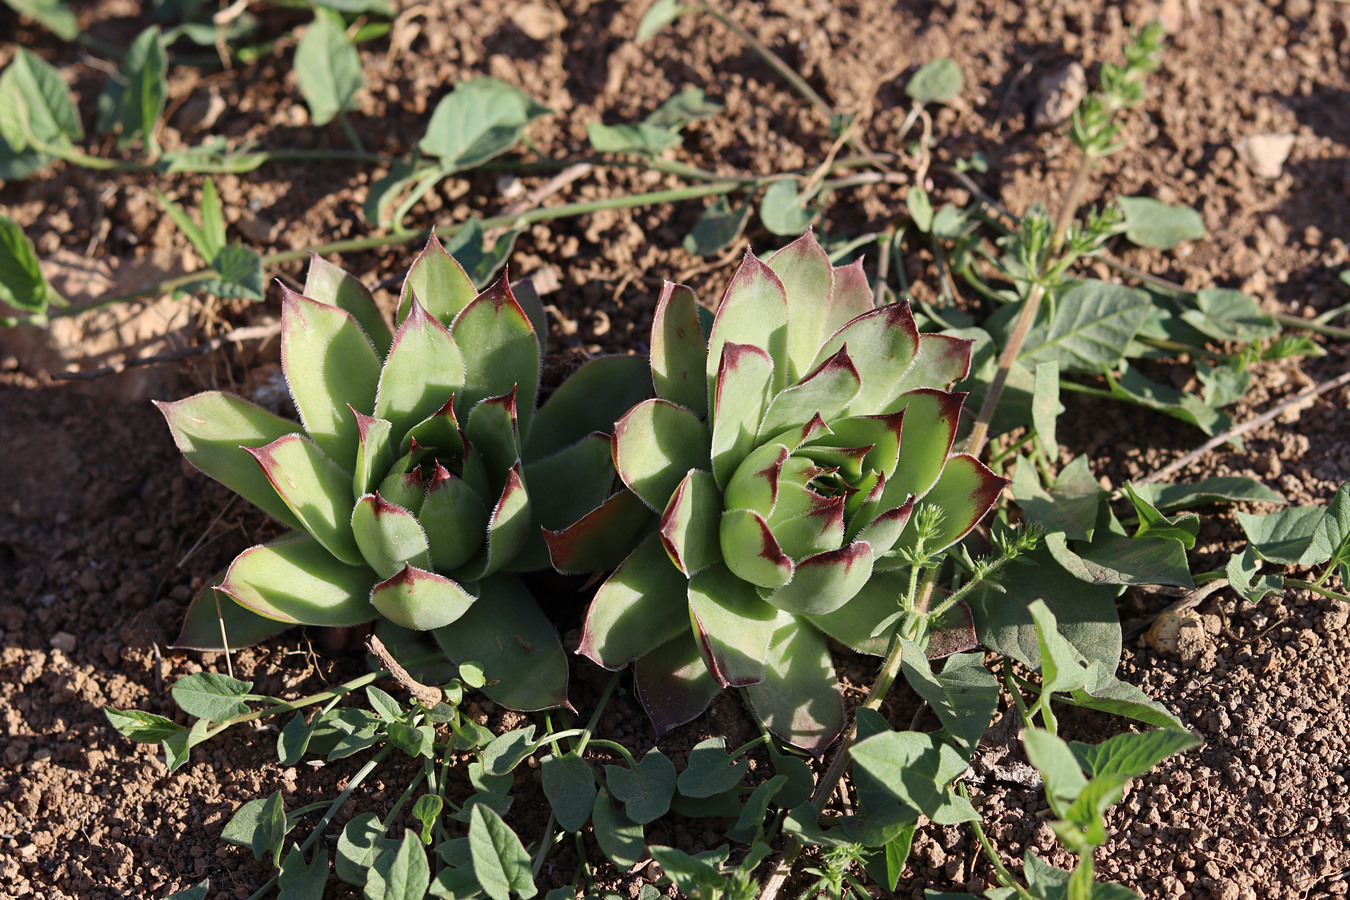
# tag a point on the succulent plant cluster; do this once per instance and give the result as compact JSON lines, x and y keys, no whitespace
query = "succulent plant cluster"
{"x":423,"y":472}
{"x":780,"y":465}
{"x":790,"y":469}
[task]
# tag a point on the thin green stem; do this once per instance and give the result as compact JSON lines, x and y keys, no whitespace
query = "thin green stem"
{"x":1069,"y":206}
{"x":350,"y":130}
{"x":616,"y":747}
{"x":322,"y":696}
{"x":1004,"y":875}
{"x":595,"y":716}
{"x":1314,"y":327}
{"x":537,"y":865}
{"x":1316,"y":588}
{"x":775,"y":62}
{"x":331,"y":813}
{"x":979,"y":434}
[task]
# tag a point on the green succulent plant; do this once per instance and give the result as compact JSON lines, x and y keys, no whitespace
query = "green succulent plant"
{"x":419,"y":482}
{"x":777,"y":470}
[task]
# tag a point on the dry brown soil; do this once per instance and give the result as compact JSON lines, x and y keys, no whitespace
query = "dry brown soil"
{"x":105,"y":534}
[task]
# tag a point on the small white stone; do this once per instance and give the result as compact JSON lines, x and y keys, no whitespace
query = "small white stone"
{"x":1265,"y":154}
{"x":1058,"y":95}
{"x":63,"y":641}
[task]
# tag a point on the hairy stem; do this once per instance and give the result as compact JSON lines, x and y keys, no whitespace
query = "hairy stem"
{"x":979,"y":434}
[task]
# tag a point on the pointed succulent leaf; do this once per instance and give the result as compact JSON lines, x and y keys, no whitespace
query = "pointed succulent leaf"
{"x":733,"y":625}
{"x":513,"y":643}
{"x":881,"y":433}
{"x":852,"y":297}
{"x":500,"y":351}
{"x":439,"y":282}
{"x":643,"y":605}
{"x":438,"y":433}
{"x":577,"y":479}
{"x":753,"y":312}
{"x":600,"y":539}
{"x":318,"y":493}
{"x":214,"y":621}
{"x":942,"y":360}
{"x":674,"y":684}
{"x":454,"y":519}
{"x":853,"y":623}
{"x":492,"y":431}
{"x":926,"y":437}
{"x":799,"y":698}
{"x":421,"y":600}
{"x":756,"y":482}
{"x":883,"y":344}
{"x":826,"y":581}
{"x":655,"y":445}
{"x":509,"y":526}
{"x":808,"y":282}
{"x":883,"y":531}
{"x":679,"y":356}
{"x":740,"y":396}
{"x":298,"y":580}
{"x":424,"y":369}
{"x":389,"y":536}
{"x":527,"y":296}
{"x":591,"y":400}
{"x":330,"y":365}
{"x":336,"y":286}
{"x":213,"y":429}
{"x":819,"y":531}
{"x":751,"y":551}
{"x":375,"y":452}
{"x":689,"y":523}
{"x":402,"y":486}
{"x":965,"y":492}
{"x":826,"y":392}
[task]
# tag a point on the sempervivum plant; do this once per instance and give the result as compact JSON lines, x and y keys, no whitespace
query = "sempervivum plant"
{"x":784,"y":460}
{"x":410,"y":490}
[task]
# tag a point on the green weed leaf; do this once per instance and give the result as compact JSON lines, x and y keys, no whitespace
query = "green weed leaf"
{"x":22,"y":284}
{"x":1104,"y":691}
{"x":1224,"y":314}
{"x":419,"y":741}
{"x":299,"y":880}
{"x":920,"y":208}
{"x":328,"y":68}
{"x":478,"y":120}
{"x":469,"y":249}
{"x":658,"y":16}
{"x":569,"y":785}
{"x":751,"y":819}
{"x":135,"y":101}
{"x":717,"y":227}
{"x":1117,"y":559}
{"x":711,"y":770}
{"x":963,"y":695}
{"x":35,"y":104}
{"x":1331,"y":539}
{"x":142,"y":727}
{"x":1171,"y":496}
{"x":427,"y":810}
{"x":782,"y":211}
{"x":260,"y":825}
{"x":401,"y":875}
{"x":59,"y":19}
{"x":1132,"y":755}
{"x":1285,"y":537}
{"x":1045,"y":406}
{"x":508,"y":751}
{"x":619,"y":837}
{"x":645,"y":791}
{"x":692,"y":876}
{"x":211,"y":695}
{"x":1051,"y":756}
{"x":239,"y":275}
{"x":1241,"y":571}
{"x":917,"y":770}
{"x":293,"y":740}
{"x":1069,"y":507}
{"x":1092,"y":324}
{"x":938,"y":81}
{"x":1150,"y":223}
{"x":499,"y":859}
{"x":1153,"y":524}
{"x":360,"y":843}
{"x":1133,"y":387}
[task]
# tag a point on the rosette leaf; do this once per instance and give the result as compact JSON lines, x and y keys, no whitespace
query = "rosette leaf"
{"x":409,"y":483}
{"x":782,"y":465}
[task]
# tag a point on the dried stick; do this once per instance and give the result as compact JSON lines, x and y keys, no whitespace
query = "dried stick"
{"x":252,"y":332}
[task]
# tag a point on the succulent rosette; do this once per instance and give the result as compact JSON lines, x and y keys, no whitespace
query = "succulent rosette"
{"x":410,"y":491}
{"x":783,"y":460}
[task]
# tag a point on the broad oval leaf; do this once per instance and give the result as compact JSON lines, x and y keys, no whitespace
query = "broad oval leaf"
{"x":328,"y":69}
{"x":479,"y":119}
